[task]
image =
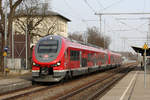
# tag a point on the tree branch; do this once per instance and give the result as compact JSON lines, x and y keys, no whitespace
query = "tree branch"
{"x":21,"y":24}
{"x":38,"y":22}
{"x":16,"y":4}
{"x":2,"y":14}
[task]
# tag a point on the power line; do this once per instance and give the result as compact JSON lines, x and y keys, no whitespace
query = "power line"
{"x":114,"y":3}
{"x":86,"y":2}
{"x":145,"y":13}
{"x":100,"y":4}
{"x":144,"y":5}
{"x":131,"y":27}
{"x":77,"y":15}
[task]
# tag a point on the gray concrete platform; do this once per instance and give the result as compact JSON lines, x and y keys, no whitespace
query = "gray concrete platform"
{"x":131,"y":87}
{"x":11,"y":83}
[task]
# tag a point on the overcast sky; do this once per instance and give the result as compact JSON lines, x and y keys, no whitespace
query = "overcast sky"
{"x":132,"y":28}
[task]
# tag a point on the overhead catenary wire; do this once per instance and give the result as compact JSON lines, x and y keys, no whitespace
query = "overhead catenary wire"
{"x":136,"y":29}
{"x":144,"y":5}
{"x":111,"y":5}
{"x":75,"y":13}
{"x":86,"y":2}
{"x":100,"y":4}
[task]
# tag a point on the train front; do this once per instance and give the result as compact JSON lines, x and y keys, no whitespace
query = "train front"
{"x":47,"y":60}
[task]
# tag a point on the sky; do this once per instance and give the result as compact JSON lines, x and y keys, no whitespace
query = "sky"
{"x":124,"y":30}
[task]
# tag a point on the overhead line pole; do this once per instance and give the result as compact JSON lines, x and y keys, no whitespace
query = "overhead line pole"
{"x":148,"y":32}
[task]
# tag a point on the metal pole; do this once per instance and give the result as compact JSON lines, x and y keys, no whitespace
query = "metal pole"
{"x":145,"y":68}
{"x":85,"y":35}
{"x":100,"y":27}
{"x":148,"y":33}
{"x":13,"y":46}
{"x":5,"y":58}
{"x":26,"y":47}
{"x":104,"y":35}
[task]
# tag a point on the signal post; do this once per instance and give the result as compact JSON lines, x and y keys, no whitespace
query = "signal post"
{"x":145,"y":47}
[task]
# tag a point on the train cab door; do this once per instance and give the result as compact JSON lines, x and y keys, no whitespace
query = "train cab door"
{"x":67,"y":59}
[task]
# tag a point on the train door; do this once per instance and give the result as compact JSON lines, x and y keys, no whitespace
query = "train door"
{"x":80,"y":58}
{"x":74,"y":61}
{"x":66,"y":59}
{"x":83,"y":59}
{"x":95,"y":59}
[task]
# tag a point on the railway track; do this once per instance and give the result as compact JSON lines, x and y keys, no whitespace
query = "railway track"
{"x":96,"y":88}
{"x":59,"y":93}
{"x":24,"y":92}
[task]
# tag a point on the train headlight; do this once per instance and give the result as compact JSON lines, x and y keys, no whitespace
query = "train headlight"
{"x":58,"y":63}
{"x":34,"y":64}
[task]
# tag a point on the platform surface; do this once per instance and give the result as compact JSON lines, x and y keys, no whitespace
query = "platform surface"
{"x":10,"y":83}
{"x":131,"y":87}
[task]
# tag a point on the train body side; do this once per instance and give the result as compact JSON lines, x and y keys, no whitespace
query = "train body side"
{"x":71,"y":59}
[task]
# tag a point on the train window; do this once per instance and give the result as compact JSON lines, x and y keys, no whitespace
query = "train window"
{"x":48,"y":46}
{"x":112,"y":59}
{"x":89,"y":57}
{"x":74,"y":55}
{"x":102,"y":59}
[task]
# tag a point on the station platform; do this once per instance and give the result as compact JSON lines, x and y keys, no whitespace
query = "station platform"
{"x":14,"y":82}
{"x":131,"y":87}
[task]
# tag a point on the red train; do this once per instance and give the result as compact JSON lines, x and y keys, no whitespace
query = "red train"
{"x":55,"y":58}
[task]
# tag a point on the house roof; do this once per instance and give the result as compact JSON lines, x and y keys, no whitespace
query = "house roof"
{"x":40,"y":12}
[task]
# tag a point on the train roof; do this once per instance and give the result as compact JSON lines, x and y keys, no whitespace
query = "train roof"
{"x":114,"y":53}
{"x":80,"y":45}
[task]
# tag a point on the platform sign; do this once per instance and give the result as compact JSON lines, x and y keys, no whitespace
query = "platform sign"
{"x":5,"y":54}
{"x":145,"y":47}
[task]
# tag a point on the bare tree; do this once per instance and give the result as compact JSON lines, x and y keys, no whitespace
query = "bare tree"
{"x":94,"y":37}
{"x":31,"y":14}
{"x":12,"y":5}
{"x":75,"y":36}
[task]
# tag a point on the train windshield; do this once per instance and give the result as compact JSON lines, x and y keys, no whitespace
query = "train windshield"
{"x":48,"y":46}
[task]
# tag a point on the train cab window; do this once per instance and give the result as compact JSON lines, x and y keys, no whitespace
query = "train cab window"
{"x":48,"y":46}
{"x":74,"y":55}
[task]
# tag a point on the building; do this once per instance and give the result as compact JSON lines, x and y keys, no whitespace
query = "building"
{"x":41,"y":22}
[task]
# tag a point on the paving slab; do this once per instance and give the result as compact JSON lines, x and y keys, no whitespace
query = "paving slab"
{"x":10,"y":83}
{"x":131,"y":87}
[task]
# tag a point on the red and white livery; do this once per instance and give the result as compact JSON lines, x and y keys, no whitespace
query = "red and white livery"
{"x":55,"y":58}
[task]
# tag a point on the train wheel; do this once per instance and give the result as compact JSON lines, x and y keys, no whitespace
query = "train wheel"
{"x":34,"y":83}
